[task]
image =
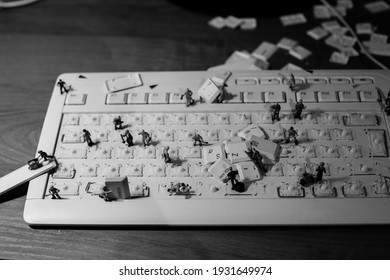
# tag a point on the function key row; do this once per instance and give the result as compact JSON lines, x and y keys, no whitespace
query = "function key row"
{"x":338,"y":96}
{"x":301,"y":80}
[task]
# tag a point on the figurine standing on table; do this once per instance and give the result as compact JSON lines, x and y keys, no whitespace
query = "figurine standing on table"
{"x":165,"y":155}
{"x":291,"y":82}
{"x":292,"y":133}
{"x":188,"y":95}
{"x":128,"y":138}
{"x":276,"y":110}
{"x":118,"y":123}
{"x":54,"y":192}
{"x":146,"y":139}
{"x":62,"y":86}
{"x":298,"y":109}
{"x":198,"y":139}
{"x":87,"y":137}
{"x":320,"y":171}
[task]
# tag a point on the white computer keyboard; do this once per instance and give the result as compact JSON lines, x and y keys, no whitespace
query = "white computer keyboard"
{"x":142,"y":182}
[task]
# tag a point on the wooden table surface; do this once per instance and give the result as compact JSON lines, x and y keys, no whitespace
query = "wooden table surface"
{"x":41,"y":41}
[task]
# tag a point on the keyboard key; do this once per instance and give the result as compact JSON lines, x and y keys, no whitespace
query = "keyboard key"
{"x":246,"y":81}
{"x":316,"y":81}
{"x":137,"y":98}
{"x":339,"y":81}
{"x":253,"y":97}
{"x":275,"y":96}
{"x":265,"y":50}
{"x":213,"y":153}
{"x":75,"y":99}
{"x":268,"y":149}
{"x":116,"y":98}
{"x":220,"y":169}
{"x":362,"y":80}
{"x":327,"y":96}
{"x":250,"y":130}
{"x":270,"y":81}
{"x":236,"y":152}
{"x":248,"y":171}
{"x":369,"y":96}
{"x":125,"y":82}
{"x":348,"y":96}
{"x":377,"y":142}
{"x":209,"y":91}
{"x":176,"y":98}
{"x":306,"y":96}
{"x":158,"y":98}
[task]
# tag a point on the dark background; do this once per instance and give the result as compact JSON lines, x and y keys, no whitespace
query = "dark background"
{"x":40,"y":41}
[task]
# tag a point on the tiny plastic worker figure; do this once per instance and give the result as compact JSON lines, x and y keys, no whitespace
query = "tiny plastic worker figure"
{"x":62,"y":86}
{"x":118,"y":123}
{"x":54,"y":192}
{"x":105,"y":195}
{"x":276,"y":110}
{"x":222,"y":94}
{"x":146,"y":139}
{"x":291,"y":82}
{"x":320,"y":171}
{"x":387,"y":102}
{"x":298,"y":109}
{"x":258,"y":160}
{"x":87,"y":137}
{"x":128,"y":138}
{"x":188,"y":95}
{"x":236,"y":185}
{"x":165,"y":155}
{"x":43,"y":156}
{"x":198,"y":139}
{"x":292,"y":133}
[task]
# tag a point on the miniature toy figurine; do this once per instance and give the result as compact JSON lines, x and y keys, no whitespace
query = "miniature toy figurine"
{"x":291,"y":82}
{"x":188,"y":95}
{"x":146,"y":139}
{"x":320,"y":171}
{"x":105,"y":195}
{"x":222,"y":94}
{"x":87,"y":137}
{"x":128,"y":138}
{"x":275,"y":113}
{"x":387,"y":102}
{"x":307,"y":179}
{"x":118,"y":123}
{"x":44,"y":156}
{"x":165,"y":155}
{"x":62,"y":86}
{"x":298,"y":109}
{"x":236,"y":185}
{"x":36,"y":163}
{"x":198,"y":139}
{"x":257,"y":159}
{"x":292,"y":133}
{"x":179,"y":188}
{"x":54,"y":192}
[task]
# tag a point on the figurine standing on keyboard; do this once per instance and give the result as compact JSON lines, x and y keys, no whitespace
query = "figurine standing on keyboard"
{"x":298,"y":109}
{"x":118,"y":123}
{"x":387,"y":108}
{"x":320,"y":171}
{"x":128,"y":138}
{"x":292,"y":133}
{"x":236,"y":185}
{"x":199,"y":139}
{"x":188,"y":95}
{"x":222,"y":94}
{"x":165,"y":155}
{"x":54,"y":193}
{"x":146,"y":139}
{"x":291,"y":82}
{"x":87,"y":137}
{"x":62,"y":86}
{"x":275,"y":113}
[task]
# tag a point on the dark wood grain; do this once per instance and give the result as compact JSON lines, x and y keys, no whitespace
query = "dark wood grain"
{"x":41,"y":41}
